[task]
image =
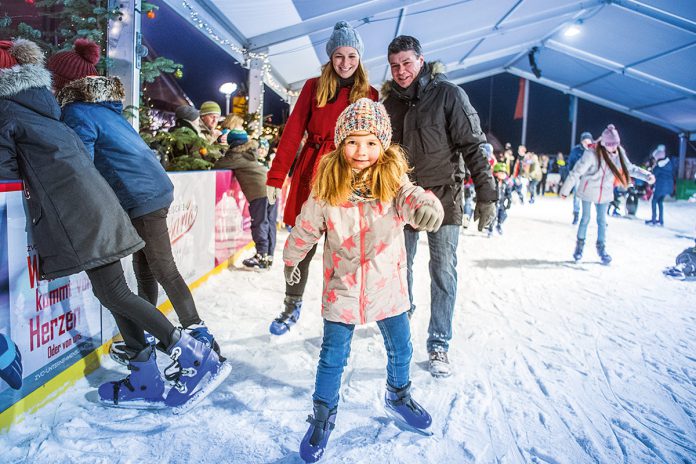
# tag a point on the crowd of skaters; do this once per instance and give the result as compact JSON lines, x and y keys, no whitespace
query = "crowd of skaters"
{"x":355,"y":165}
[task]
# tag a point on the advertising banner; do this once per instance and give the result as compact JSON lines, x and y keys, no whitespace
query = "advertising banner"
{"x":53,"y":322}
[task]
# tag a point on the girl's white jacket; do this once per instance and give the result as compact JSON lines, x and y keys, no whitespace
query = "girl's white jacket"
{"x":364,"y":253}
{"x":595,"y":183}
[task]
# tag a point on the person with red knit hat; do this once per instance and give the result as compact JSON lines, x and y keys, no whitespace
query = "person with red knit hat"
{"x":76,"y":63}
{"x":77,"y":224}
{"x":594,"y":177}
{"x":92,"y":106}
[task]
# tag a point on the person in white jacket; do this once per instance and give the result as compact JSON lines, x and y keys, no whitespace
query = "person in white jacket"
{"x":595,"y":175}
{"x":360,"y":202}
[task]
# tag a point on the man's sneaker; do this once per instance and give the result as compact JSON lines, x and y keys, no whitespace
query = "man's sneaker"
{"x":320,"y":426}
{"x":201,"y":333}
{"x":405,"y":409}
{"x":119,"y":352}
{"x":439,"y":365}
{"x":258,"y":262}
{"x":288,"y":318}
{"x":143,"y":388}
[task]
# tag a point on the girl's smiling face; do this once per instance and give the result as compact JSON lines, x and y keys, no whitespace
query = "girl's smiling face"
{"x":362,"y":149}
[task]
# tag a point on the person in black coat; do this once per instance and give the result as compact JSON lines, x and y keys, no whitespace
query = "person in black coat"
{"x":92,"y":106}
{"x":434,"y":121}
{"x":78,"y":225}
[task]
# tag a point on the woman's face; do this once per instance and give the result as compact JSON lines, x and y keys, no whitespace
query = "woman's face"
{"x":345,"y":61}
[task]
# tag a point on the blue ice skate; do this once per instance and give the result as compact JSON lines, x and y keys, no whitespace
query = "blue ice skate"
{"x":603,"y":255}
{"x":195,"y":372}
{"x":577,"y":254}
{"x":288,"y":317}
{"x":119,"y":352}
{"x":407,"y":412}
{"x":201,"y":333}
{"x":142,"y":389}
{"x":320,"y":426}
{"x":10,"y":362}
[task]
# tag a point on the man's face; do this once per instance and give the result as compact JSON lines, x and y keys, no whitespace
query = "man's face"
{"x":585,"y":143}
{"x":210,"y":120}
{"x":521,"y":150}
{"x":405,"y":67}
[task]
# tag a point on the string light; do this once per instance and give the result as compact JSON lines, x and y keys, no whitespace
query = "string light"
{"x":265,"y":68}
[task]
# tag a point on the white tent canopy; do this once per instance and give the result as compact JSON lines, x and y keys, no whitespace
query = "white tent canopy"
{"x":634,"y":56}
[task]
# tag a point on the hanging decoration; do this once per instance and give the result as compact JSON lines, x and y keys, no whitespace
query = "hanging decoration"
{"x":266,"y":67}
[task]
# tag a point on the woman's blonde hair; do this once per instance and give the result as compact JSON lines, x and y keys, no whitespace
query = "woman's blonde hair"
{"x":327,"y":86}
{"x":231,"y":121}
{"x":603,"y":155}
{"x":334,"y":176}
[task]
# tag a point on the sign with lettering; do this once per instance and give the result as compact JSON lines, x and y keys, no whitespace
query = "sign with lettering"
{"x":53,"y":322}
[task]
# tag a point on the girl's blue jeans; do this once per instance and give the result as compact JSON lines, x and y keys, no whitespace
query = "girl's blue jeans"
{"x":601,"y":209}
{"x":335,"y":349}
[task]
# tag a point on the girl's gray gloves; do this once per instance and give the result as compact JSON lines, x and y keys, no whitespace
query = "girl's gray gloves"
{"x":427,"y":218}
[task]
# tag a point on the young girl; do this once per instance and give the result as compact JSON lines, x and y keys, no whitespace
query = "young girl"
{"x":360,"y":201}
{"x":595,"y":175}
{"x":343,"y":81}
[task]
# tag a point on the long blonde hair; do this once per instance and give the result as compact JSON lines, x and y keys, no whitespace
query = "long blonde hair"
{"x":603,"y":155}
{"x":327,"y":86}
{"x":333,"y":178}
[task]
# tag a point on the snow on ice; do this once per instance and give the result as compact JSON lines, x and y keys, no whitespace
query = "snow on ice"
{"x":555,"y":362}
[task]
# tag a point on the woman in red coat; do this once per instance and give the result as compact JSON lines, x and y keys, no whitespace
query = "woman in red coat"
{"x":343,"y":81}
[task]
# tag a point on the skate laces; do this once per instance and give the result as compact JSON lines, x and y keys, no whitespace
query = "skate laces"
{"x":175,"y":371}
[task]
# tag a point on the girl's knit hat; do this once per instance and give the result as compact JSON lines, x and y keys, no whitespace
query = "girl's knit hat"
{"x":344,"y":35}
{"x":610,"y":136}
{"x":74,"y":64}
{"x":19,"y":52}
{"x":364,"y":115}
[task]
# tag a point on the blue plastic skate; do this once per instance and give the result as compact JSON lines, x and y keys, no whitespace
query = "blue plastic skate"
{"x":142,"y":389}
{"x":320,"y":426}
{"x":406,"y":411}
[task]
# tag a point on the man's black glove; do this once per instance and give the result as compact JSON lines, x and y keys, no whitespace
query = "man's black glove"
{"x":484,"y":213}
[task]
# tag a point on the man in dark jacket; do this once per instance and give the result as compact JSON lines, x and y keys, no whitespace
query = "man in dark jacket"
{"x":434,"y":121}
{"x":575,"y":155}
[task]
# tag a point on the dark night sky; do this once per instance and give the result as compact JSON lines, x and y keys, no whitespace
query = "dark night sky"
{"x":548,"y":128}
{"x":206,"y":66}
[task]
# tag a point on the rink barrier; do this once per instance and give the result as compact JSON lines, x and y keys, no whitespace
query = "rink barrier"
{"x":85,"y":366}
{"x":209,"y":229}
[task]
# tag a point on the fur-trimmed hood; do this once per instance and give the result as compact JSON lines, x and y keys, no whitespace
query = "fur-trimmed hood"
{"x":248,"y":149}
{"x":22,"y":77}
{"x":92,"y":90}
{"x":437,"y":69}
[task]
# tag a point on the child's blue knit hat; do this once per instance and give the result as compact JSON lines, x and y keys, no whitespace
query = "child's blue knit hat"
{"x":344,"y":35}
{"x":237,"y":137}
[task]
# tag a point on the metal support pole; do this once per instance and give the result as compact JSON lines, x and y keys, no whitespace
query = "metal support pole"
{"x":256,"y":90}
{"x":573,"y":120}
{"x":683,"y":137}
{"x":524,"y":112}
{"x":125,"y":50}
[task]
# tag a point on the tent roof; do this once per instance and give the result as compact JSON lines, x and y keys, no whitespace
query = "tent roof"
{"x":634,"y":56}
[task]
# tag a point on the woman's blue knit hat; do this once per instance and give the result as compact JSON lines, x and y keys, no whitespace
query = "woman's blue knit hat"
{"x":344,"y":35}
